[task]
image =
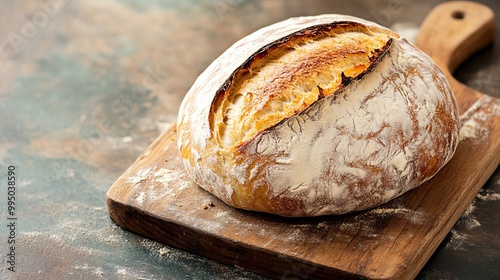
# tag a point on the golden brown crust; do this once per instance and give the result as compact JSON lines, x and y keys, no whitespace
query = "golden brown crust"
{"x":323,"y":115}
{"x":281,"y":79}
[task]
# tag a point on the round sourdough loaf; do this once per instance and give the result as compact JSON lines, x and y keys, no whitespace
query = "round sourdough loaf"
{"x":317,"y":115}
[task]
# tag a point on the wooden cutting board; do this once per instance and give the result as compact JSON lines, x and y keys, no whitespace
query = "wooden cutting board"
{"x":156,"y":199}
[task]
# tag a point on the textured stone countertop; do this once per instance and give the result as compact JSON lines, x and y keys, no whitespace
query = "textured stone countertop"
{"x":86,"y":86}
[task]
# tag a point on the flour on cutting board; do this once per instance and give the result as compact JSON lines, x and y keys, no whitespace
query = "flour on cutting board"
{"x":470,"y":129}
{"x":364,"y":223}
{"x":165,"y":176}
{"x":140,"y":176}
{"x":416,"y":217}
{"x":153,"y":184}
{"x":473,"y":119}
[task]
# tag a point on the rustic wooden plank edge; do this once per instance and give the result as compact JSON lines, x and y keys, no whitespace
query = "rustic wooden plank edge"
{"x":186,"y":238}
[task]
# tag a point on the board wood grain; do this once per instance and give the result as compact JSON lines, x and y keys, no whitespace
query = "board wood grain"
{"x":156,"y":199}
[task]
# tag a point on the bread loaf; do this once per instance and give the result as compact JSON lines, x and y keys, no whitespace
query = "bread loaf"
{"x":317,"y":115}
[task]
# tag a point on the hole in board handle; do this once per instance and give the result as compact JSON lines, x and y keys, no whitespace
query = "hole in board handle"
{"x":458,"y":15}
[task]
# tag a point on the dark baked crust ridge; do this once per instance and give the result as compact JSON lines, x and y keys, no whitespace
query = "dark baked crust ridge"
{"x":307,"y":32}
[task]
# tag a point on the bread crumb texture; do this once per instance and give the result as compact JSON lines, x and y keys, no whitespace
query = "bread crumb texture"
{"x":289,"y":77}
{"x":317,"y":115}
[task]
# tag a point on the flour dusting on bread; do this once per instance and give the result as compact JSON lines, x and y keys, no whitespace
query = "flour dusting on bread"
{"x":317,"y":115}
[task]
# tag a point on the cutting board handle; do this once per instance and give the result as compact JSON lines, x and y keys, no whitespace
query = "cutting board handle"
{"x":451,"y":33}
{"x":454,"y":30}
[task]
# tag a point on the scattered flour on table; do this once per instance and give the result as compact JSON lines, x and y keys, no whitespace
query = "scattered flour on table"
{"x":132,"y":273}
{"x":28,"y":182}
{"x":163,"y":251}
{"x":468,"y":221}
{"x":457,"y":240}
{"x":127,"y":139}
{"x":60,"y":238}
{"x":97,"y":271}
{"x":489,"y":196}
{"x":94,"y":237}
{"x":124,"y":143}
{"x":155,"y":248}
{"x":163,"y":126}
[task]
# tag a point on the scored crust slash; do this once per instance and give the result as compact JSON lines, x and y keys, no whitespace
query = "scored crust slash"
{"x":317,"y":115}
